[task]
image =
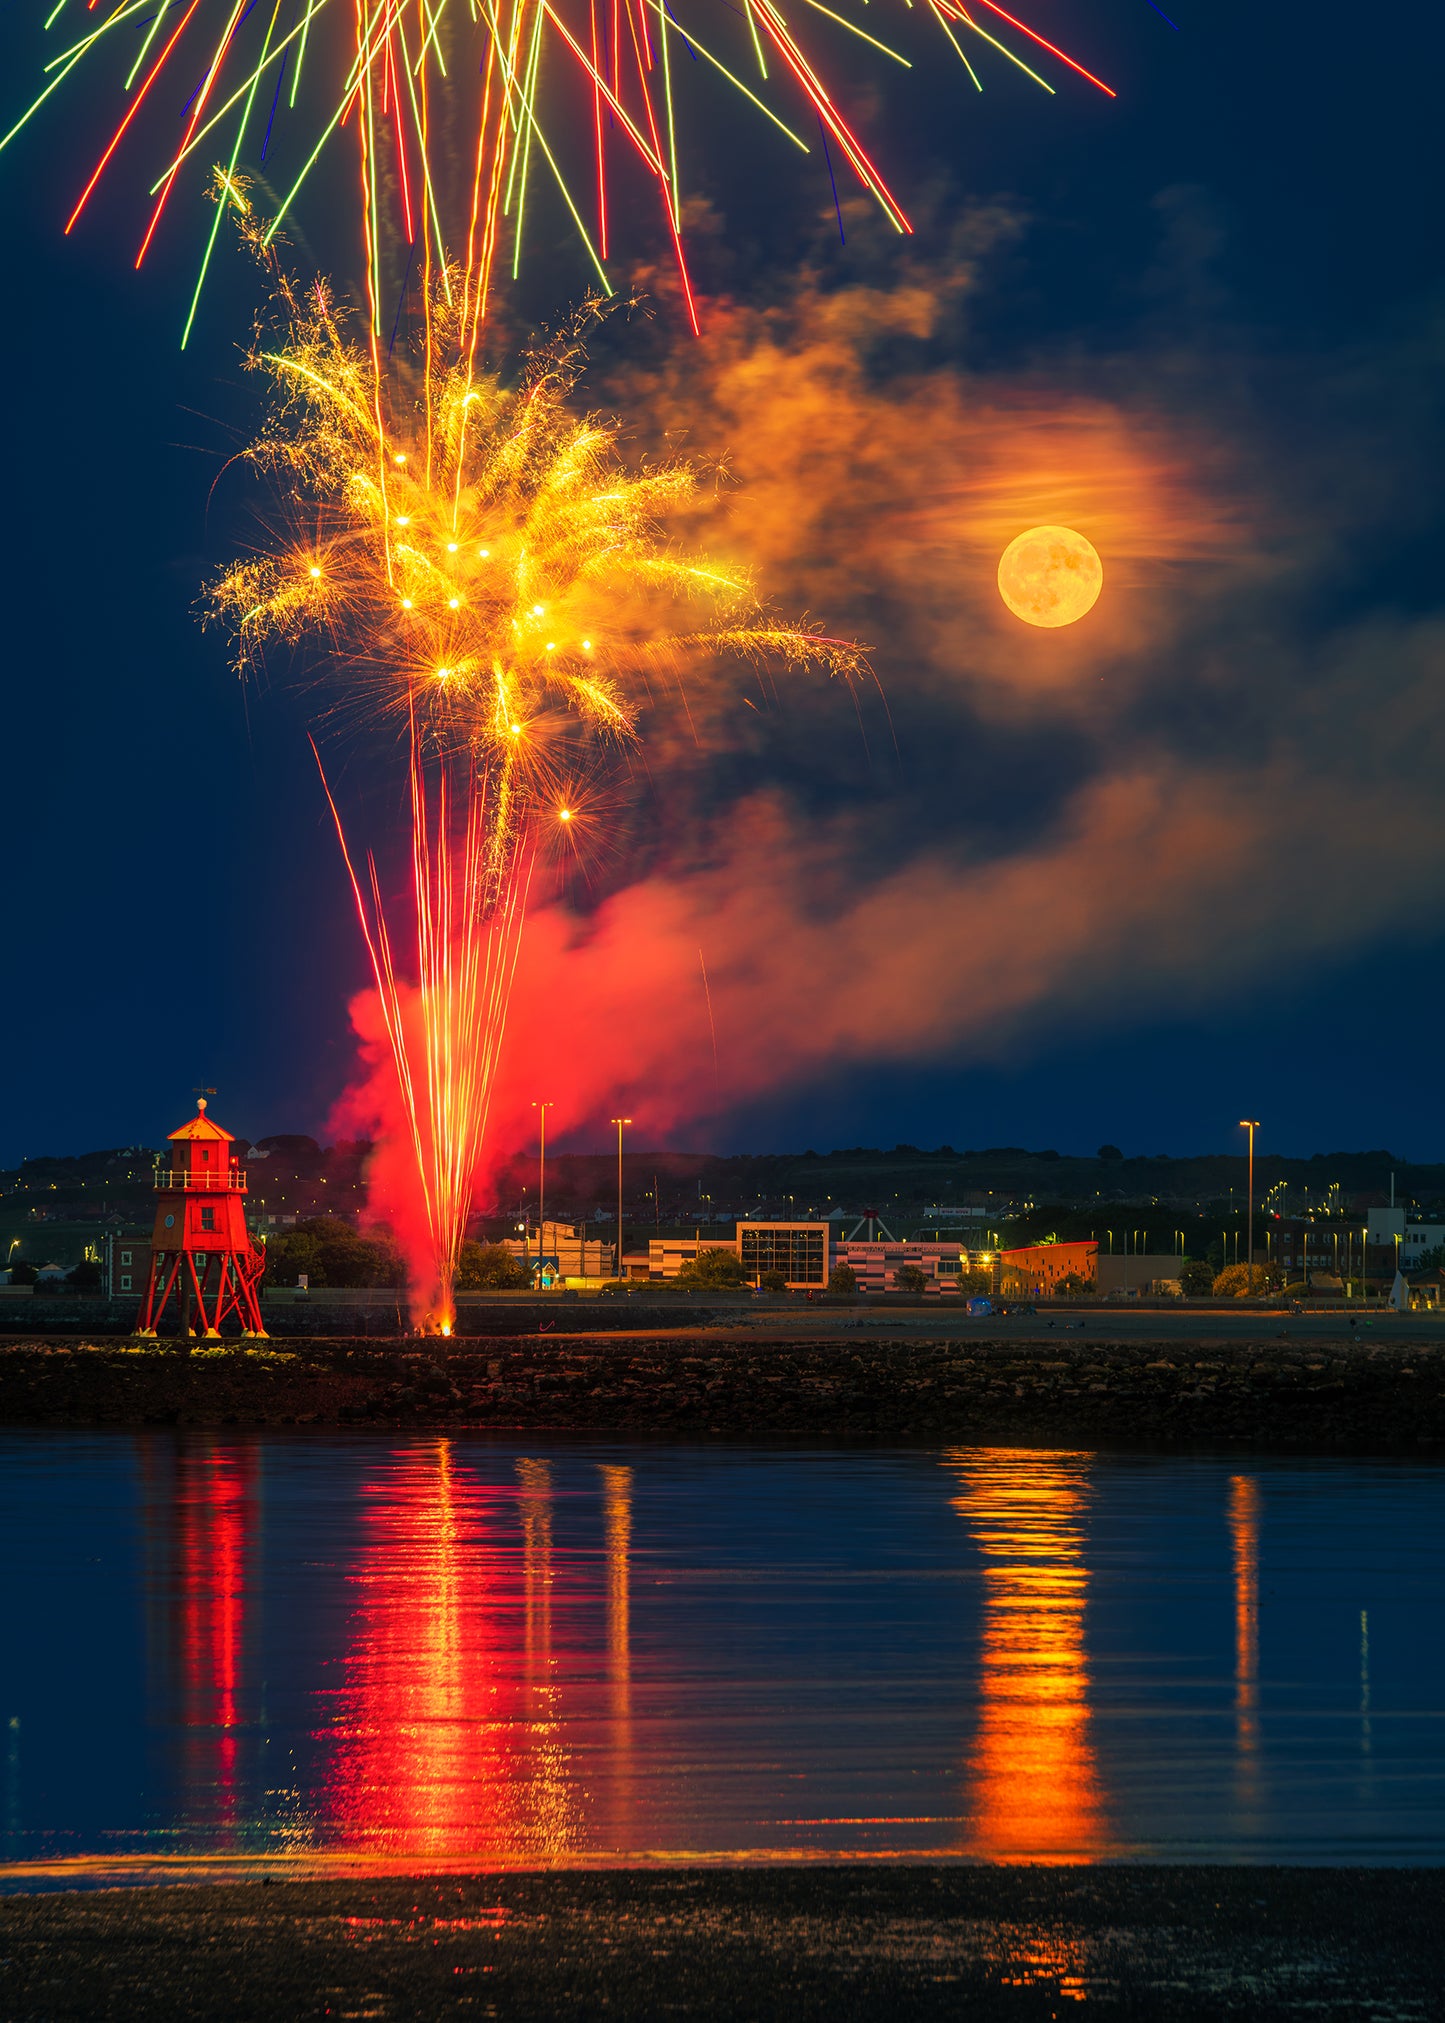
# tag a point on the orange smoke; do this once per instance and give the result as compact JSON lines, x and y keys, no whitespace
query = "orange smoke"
{"x":858,"y":492}
{"x":1275,"y":817}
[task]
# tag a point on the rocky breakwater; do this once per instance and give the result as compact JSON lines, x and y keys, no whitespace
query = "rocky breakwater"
{"x":1366,"y":1396}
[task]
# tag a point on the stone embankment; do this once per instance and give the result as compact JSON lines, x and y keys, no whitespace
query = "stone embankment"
{"x":382,"y":1317}
{"x":1364,"y":1396}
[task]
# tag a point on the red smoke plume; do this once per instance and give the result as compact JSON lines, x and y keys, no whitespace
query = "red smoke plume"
{"x":1178,"y":862}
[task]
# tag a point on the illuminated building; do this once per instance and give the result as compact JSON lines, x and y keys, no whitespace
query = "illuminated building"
{"x":1138,"y":1272}
{"x":1034,"y":1269}
{"x":799,"y":1250}
{"x":565,"y":1250}
{"x":875,"y":1264}
{"x":666,"y":1255}
{"x":127,"y":1262}
{"x":806,"y":1252}
{"x":1038,"y":1267}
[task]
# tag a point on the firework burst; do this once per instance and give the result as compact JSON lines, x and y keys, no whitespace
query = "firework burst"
{"x":477,"y":562}
{"x":457,"y":107}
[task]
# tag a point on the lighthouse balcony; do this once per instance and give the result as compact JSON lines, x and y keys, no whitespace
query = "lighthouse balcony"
{"x":178,"y":1181}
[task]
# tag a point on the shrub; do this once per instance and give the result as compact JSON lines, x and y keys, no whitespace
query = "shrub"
{"x":773,"y":1281}
{"x":1071,"y":1285}
{"x":1196,"y":1278}
{"x":330,"y":1252}
{"x":718,"y":1266}
{"x":910,"y":1278}
{"x":1242,"y":1281}
{"x":489,"y":1267}
{"x":843,"y":1282}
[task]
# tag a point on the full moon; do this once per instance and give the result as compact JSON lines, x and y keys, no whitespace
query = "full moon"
{"x":1050,"y":576}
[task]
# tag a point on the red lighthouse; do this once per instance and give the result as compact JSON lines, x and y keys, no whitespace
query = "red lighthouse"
{"x":202,"y":1251}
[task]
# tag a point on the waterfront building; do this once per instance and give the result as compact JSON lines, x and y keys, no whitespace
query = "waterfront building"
{"x":568,"y":1252}
{"x":1033,"y":1269}
{"x":876,"y":1264}
{"x":799,"y":1250}
{"x":1140,"y":1271}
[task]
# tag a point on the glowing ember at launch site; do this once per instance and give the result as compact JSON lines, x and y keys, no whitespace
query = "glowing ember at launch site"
{"x":476,"y":562}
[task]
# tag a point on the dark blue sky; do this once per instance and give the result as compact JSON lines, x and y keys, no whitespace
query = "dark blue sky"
{"x":1251,"y":228}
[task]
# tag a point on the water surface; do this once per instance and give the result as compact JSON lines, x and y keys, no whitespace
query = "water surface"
{"x":349,"y":1653}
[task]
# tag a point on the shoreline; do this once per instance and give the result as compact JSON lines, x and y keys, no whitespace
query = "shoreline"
{"x":1307,"y":1393}
{"x":830,"y":1941}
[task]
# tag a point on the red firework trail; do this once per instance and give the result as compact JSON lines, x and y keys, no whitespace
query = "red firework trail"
{"x":446,"y":1031}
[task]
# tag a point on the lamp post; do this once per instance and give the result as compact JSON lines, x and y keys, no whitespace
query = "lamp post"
{"x":542,"y":1109}
{"x":620,"y":1122}
{"x":1250,"y":1124}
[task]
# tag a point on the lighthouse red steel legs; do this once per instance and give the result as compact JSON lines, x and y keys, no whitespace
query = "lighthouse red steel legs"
{"x":202,"y":1253}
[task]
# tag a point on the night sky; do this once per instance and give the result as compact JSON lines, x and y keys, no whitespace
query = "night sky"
{"x":1191,"y":869}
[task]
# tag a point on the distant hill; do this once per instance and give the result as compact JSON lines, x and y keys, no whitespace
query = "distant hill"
{"x":291,"y":1174}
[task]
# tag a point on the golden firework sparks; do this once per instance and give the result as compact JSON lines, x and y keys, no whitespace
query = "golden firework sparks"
{"x":477,"y":559}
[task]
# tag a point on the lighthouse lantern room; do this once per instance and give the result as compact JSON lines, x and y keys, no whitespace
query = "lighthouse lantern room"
{"x":202,"y":1255}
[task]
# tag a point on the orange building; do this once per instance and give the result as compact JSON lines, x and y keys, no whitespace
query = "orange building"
{"x":1038,"y":1267}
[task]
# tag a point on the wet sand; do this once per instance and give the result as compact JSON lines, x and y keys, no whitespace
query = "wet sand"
{"x":806,"y":1943}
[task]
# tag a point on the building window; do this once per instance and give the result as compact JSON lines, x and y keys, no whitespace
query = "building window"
{"x":125,"y":1257}
{"x":208,"y":1218}
{"x":796,"y":1253}
{"x":949,"y":1267}
{"x":125,"y":1283}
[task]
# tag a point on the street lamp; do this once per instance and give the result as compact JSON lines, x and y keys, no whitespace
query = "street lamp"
{"x":542,"y":1109}
{"x":1250,"y":1124}
{"x":620,"y":1122}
